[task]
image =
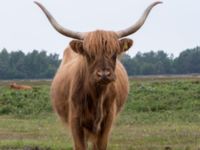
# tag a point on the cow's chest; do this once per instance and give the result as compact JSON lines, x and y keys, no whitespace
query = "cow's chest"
{"x":93,"y":113}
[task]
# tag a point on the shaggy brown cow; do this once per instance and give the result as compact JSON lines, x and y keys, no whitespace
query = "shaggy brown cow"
{"x":91,"y":85}
{"x":20,"y":87}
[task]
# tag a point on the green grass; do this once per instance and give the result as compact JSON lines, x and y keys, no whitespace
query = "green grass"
{"x":23,"y":103}
{"x":164,"y":101}
{"x":50,"y":133}
{"x":42,"y":132}
{"x":160,"y":114}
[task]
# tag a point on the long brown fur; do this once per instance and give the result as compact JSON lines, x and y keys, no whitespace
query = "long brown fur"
{"x":107,"y":41}
{"x":88,"y":108}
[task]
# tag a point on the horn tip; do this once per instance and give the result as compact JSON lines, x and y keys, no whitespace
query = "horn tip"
{"x":37,"y":3}
{"x":159,"y":2}
{"x":156,"y":3}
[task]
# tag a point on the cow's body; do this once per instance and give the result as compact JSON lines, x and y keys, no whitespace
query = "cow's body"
{"x":88,"y":108}
{"x":20,"y":87}
{"x":65,"y":78}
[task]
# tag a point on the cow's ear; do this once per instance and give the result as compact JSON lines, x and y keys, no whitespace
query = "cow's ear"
{"x":125,"y":44}
{"x":77,"y":46}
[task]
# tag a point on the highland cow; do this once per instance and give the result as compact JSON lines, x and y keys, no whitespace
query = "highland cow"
{"x":20,"y":87}
{"x":91,"y":85}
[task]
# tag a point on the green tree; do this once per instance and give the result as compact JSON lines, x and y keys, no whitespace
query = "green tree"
{"x":4,"y":64}
{"x":188,"y":61}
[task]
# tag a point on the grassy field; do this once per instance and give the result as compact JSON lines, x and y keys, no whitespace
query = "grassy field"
{"x":160,"y":114}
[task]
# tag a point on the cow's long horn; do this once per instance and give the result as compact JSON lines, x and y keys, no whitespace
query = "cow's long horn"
{"x":132,"y":29}
{"x":58,"y":27}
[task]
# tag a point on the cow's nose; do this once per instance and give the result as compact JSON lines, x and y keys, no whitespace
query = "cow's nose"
{"x":103,"y":74}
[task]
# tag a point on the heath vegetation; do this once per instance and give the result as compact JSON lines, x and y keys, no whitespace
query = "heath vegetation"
{"x":160,"y":113}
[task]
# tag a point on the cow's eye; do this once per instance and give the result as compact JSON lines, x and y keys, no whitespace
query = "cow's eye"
{"x":114,"y":56}
{"x":90,"y":58}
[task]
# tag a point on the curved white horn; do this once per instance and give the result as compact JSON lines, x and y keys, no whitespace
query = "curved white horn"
{"x":58,"y":27}
{"x":132,"y":29}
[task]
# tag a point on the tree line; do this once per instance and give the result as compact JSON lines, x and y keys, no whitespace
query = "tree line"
{"x":40,"y":65}
{"x":34,"y":65}
{"x":157,"y":63}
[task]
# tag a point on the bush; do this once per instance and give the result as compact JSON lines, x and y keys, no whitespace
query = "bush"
{"x":23,"y":103}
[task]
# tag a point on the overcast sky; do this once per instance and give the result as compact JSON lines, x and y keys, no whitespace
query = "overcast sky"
{"x":172,"y":26}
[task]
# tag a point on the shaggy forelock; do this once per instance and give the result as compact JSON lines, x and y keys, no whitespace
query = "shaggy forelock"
{"x":100,"y":43}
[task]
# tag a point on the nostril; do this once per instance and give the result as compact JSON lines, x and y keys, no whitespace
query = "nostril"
{"x":99,"y":73}
{"x":107,"y":73}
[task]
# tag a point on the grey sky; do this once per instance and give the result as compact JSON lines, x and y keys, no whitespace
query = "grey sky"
{"x":172,"y":26}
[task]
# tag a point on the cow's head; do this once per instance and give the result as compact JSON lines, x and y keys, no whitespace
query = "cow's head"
{"x":100,"y":48}
{"x":13,"y":85}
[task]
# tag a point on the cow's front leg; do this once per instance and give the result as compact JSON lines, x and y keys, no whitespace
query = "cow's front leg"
{"x":103,"y":136}
{"x":78,"y":135}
